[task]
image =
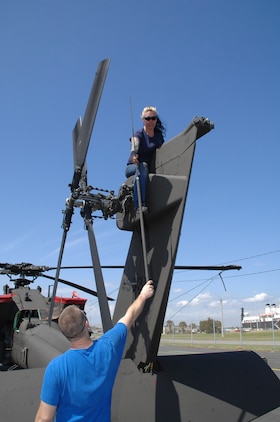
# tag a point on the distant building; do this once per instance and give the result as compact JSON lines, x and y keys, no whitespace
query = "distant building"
{"x":266,"y":321}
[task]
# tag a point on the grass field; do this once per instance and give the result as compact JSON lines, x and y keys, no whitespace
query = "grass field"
{"x":252,"y":340}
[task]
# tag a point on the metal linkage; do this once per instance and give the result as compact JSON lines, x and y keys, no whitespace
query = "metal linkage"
{"x":109,"y":205}
{"x":142,"y":228}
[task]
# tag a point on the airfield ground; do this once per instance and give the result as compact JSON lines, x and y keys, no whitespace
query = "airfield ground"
{"x":249,"y":340}
{"x":264,"y":343}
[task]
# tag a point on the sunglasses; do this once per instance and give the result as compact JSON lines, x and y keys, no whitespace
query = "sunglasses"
{"x":148,"y":118}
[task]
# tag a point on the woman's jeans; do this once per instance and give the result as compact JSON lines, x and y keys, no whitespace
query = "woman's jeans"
{"x":143,"y":171}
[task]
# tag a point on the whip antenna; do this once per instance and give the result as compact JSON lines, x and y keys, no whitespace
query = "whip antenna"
{"x":131,"y":116}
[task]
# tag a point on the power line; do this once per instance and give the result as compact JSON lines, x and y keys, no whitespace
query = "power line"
{"x":194,"y":288}
{"x":239,"y":275}
{"x":182,"y":307}
{"x":255,"y":256}
{"x":228,"y":276}
{"x":257,"y":273}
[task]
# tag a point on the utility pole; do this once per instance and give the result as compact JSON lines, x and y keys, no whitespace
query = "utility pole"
{"x":222,"y":317}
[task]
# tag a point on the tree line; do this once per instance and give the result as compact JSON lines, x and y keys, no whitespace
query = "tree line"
{"x":207,"y":326}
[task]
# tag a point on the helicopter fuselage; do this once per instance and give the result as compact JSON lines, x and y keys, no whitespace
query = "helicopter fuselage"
{"x":27,"y":340}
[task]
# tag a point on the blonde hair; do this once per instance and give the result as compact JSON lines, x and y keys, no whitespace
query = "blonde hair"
{"x":148,"y":108}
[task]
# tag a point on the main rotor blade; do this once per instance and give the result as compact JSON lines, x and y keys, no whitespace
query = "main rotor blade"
{"x":208,"y":267}
{"x":80,"y":149}
{"x":176,"y":267}
{"x":37,"y":270}
{"x":75,"y":286}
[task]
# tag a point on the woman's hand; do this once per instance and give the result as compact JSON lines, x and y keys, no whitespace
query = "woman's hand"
{"x":134,"y":159}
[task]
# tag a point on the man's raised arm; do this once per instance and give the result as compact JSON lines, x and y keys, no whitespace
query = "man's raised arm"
{"x":137,"y":306}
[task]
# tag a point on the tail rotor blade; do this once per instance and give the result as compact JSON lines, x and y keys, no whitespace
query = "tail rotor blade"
{"x":90,"y":114}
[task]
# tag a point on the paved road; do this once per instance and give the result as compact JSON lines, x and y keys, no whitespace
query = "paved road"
{"x":273,"y":360}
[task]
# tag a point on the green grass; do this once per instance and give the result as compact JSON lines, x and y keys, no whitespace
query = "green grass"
{"x":225,"y":342}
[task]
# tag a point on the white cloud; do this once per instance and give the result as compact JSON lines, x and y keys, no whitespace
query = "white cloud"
{"x":259,"y":297}
{"x":201,"y":298}
{"x":178,"y":290}
{"x":182,"y":303}
{"x":214,"y":304}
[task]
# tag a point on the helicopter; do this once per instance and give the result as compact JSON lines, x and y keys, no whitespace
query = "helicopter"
{"x":232,"y":386}
{"x":26,"y":338}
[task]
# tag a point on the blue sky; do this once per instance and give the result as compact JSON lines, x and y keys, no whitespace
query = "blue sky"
{"x":209,"y":58}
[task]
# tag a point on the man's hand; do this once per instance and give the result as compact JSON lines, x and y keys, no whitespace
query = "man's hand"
{"x":147,"y":290}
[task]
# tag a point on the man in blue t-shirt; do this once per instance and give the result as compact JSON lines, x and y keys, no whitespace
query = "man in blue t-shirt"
{"x":78,"y":384}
